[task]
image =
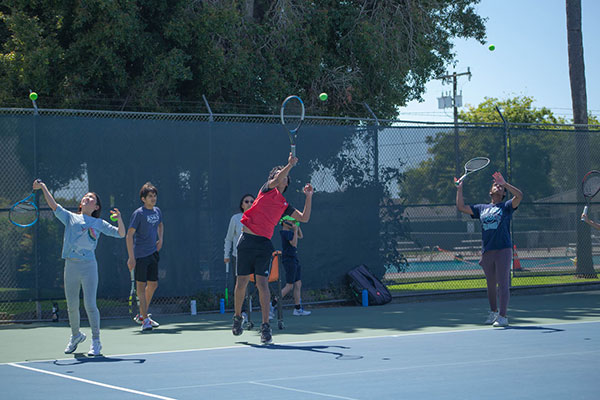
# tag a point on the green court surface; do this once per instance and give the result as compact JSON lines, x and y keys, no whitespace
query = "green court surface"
{"x":46,"y":341}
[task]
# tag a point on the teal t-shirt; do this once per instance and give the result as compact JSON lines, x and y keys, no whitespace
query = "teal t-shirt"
{"x":82,"y":233}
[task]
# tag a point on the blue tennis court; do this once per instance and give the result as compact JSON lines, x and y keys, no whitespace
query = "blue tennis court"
{"x":434,"y":349}
{"x":555,"y":361}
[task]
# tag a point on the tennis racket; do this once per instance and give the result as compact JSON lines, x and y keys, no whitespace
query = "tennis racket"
{"x":473,"y":165}
{"x":590,"y":186}
{"x":24,"y":213}
{"x":292,"y":117}
{"x":227,"y":284}
{"x":132,"y":293}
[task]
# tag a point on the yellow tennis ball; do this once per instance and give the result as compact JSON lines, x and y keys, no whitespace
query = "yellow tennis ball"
{"x":492,"y":47}
{"x":323,"y":96}
{"x":33,"y":96}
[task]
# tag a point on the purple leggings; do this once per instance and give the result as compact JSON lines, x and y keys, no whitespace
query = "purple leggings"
{"x":496,"y":266}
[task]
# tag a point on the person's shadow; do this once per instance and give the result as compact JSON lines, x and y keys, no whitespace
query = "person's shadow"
{"x":314,"y":349}
{"x":81,"y":358}
{"x":535,"y":328}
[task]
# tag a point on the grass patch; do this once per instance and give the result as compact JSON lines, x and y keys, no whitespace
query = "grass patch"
{"x":481,"y":284}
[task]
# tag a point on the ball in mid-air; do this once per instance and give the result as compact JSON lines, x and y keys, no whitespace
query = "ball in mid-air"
{"x":33,"y":96}
{"x":323,"y":96}
{"x":491,"y":47}
{"x":113,"y":217}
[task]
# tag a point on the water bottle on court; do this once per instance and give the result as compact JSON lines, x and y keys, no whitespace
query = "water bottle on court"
{"x":365,"y":298}
{"x":193,"y":307}
{"x":222,"y":306}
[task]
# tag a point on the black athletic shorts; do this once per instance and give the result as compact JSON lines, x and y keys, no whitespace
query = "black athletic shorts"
{"x":146,"y":268}
{"x":292,"y":270}
{"x":254,"y":255}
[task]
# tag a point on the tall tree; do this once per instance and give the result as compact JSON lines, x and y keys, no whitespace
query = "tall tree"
{"x":245,"y":55}
{"x":585,"y":264}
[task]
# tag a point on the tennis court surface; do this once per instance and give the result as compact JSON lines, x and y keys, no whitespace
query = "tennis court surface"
{"x":416,"y":350}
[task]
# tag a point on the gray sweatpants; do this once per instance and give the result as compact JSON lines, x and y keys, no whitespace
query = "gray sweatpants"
{"x":82,"y":274}
{"x":496,"y":267}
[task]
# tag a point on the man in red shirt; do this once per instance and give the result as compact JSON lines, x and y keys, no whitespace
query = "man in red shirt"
{"x":254,"y":246}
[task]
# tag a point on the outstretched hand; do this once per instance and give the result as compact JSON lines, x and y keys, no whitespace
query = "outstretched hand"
{"x":308,"y":190}
{"x":292,"y":160}
{"x":499,"y":179}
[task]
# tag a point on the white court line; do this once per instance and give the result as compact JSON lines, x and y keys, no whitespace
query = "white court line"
{"x":379,"y":370}
{"x":242,"y":346}
{"x":303,"y":391}
{"x":91,"y":382}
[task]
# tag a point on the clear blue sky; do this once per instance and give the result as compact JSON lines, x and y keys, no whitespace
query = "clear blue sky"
{"x":530,"y":59}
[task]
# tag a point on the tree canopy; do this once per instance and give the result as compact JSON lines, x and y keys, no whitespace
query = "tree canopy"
{"x":247,"y":54}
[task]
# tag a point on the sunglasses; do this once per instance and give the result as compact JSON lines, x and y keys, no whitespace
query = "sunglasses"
{"x":248,"y":201}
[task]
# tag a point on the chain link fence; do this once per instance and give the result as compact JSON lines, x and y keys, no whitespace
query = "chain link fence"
{"x":384,"y":197}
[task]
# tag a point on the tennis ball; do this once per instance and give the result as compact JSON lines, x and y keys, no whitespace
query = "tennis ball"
{"x":492,"y":47}
{"x":33,"y":96}
{"x":323,"y":96}
{"x":113,"y":217}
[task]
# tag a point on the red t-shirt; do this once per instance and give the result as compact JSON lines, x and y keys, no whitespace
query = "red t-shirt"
{"x":266,"y":211}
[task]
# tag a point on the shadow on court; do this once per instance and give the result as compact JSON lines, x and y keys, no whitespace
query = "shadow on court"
{"x":81,"y":358}
{"x":315,"y":349}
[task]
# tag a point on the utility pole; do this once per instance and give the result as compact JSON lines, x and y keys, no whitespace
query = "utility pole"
{"x":455,"y":102}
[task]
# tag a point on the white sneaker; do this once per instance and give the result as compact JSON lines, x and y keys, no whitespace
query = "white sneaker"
{"x":147,"y":325}
{"x":73,"y":342}
{"x":95,"y":348}
{"x":138,"y":318}
{"x":301,"y":312}
{"x":500,"y":321}
{"x":492,"y":317}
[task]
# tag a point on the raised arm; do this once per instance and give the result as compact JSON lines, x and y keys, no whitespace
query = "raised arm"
{"x":460,"y":203}
{"x":282,"y":175}
{"x":304,"y":216}
{"x":517,"y":194}
{"x":38,"y":184}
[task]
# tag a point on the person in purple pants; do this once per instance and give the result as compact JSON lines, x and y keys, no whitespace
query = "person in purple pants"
{"x":496,"y":242}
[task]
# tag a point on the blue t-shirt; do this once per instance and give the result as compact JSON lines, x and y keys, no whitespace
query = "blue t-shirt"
{"x":495,"y":224}
{"x":145,"y":222}
{"x":287,"y":250}
{"x":82,"y":233}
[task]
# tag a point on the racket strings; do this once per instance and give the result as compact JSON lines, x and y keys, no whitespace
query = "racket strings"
{"x":23,"y":213}
{"x":476,"y":163}
{"x":293,"y":114}
{"x":591,"y":185}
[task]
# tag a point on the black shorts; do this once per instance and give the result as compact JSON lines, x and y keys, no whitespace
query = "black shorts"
{"x":146,"y":268}
{"x":292,"y":270}
{"x":254,"y":255}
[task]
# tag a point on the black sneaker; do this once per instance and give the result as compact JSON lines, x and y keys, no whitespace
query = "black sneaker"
{"x":237,"y":329}
{"x":265,"y":334}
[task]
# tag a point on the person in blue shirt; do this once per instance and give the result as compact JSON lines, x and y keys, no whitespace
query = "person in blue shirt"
{"x":290,"y":233}
{"x":144,"y":242}
{"x":496,"y":242}
{"x":82,"y":231}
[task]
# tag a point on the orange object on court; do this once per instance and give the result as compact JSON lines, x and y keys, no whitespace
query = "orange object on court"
{"x":516,"y":261}
{"x":274,"y":272}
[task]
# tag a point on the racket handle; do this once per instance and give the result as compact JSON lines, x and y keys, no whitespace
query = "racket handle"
{"x":585,"y":210}
{"x":293,"y":150}
{"x":457,"y":181}
{"x":226,"y":268}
